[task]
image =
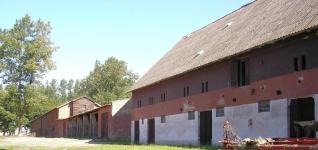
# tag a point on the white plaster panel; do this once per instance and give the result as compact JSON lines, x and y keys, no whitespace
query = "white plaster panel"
{"x":132,"y":131}
{"x":316,"y":106}
{"x":316,"y":109}
{"x":143,"y":137}
{"x":64,"y":112}
{"x":264,"y":124}
{"x":177,"y":130}
{"x":117,"y":105}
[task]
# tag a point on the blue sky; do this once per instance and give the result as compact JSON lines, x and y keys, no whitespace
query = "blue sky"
{"x":139,"y":32}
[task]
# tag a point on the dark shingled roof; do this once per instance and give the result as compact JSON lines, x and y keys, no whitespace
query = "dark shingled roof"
{"x":253,"y":25}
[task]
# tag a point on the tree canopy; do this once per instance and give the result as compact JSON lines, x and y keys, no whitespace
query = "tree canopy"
{"x":108,"y":81}
{"x":26,"y":55}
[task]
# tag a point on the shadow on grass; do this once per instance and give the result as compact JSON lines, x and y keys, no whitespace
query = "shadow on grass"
{"x":119,"y":141}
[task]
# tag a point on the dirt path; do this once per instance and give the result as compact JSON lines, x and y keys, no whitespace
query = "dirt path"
{"x":45,"y":142}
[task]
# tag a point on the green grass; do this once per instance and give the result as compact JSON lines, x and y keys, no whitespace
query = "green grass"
{"x":118,"y":144}
{"x":113,"y":147}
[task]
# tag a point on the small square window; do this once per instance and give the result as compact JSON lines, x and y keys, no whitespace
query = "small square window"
{"x":191,"y":115}
{"x":264,"y":106}
{"x":219,"y":112}
{"x":163,"y":119}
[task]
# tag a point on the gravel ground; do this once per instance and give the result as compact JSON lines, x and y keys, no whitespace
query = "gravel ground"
{"x":45,"y":142}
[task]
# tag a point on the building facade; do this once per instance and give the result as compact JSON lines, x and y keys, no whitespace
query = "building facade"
{"x":255,"y":67}
{"x":82,"y":117}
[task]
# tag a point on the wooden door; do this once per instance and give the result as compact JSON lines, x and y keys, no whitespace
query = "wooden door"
{"x":205,"y":127}
{"x":104,"y":124}
{"x":151,"y":131}
{"x":136,"y":139}
{"x":302,"y":109}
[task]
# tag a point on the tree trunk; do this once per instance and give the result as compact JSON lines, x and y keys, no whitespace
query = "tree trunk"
{"x":19,"y":130}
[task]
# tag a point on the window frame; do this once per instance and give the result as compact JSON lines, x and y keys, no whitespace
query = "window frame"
{"x":303,"y":62}
{"x":206,"y":86}
{"x":219,"y":112}
{"x":296,"y":68}
{"x":150,"y":100}
{"x":191,"y":115}
{"x":264,"y":106}
{"x":163,"y":119}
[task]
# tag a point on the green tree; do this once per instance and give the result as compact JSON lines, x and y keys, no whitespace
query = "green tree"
{"x":50,"y":90}
{"x":70,"y":89}
{"x":109,"y":81}
{"x":37,"y":103}
{"x":63,"y":90}
{"x":77,"y":89}
{"x":7,"y":121}
{"x":25,"y":54}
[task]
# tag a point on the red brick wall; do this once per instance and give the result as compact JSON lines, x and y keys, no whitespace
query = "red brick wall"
{"x":289,"y":86}
{"x":101,"y":110}
{"x":265,"y":64}
{"x":46,"y":125}
{"x":36,"y":127}
{"x":119,"y":124}
{"x":121,"y":121}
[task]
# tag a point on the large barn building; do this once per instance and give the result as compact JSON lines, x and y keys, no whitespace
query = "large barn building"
{"x":256,"y":67}
{"x":82,"y":117}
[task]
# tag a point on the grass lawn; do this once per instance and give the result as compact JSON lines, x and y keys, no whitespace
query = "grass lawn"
{"x":112,"y":147}
{"x":100,"y":145}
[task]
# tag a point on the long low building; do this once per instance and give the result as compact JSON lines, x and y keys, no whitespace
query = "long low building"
{"x":256,"y":67}
{"x":82,"y":117}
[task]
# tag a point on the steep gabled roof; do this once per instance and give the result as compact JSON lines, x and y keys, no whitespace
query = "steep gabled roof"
{"x":86,"y":97}
{"x":253,"y":25}
{"x":76,"y":99}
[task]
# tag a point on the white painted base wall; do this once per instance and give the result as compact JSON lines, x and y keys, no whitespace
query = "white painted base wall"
{"x":132,"y":132}
{"x":263,"y":124}
{"x":316,"y":109}
{"x":245,"y":119}
{"x":143,"y":131}
{"x":177,"y":130}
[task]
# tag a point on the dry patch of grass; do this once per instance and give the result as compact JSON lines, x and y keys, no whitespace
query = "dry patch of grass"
{"x":112,"y":147}
{"x":23,"y":143}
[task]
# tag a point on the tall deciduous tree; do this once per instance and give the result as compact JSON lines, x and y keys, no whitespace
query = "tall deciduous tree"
{"x":25,"y":55}
{"x":63,"y":90}
{"x":109,"y":81}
